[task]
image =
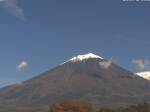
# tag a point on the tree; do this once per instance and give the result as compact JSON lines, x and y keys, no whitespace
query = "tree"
{"x":72,"y":106}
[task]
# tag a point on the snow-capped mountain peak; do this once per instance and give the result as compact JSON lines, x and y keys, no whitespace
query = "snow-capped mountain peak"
{"x":145,"y":75}
{"x":83,"y":57}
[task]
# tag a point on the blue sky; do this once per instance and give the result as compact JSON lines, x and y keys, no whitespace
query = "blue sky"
{"x":45,"y":33}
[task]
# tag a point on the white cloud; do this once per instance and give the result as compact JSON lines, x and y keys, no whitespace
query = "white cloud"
{"x":22,"y":65}
{"x":13,"y":8}
{"x":141,"y":64}
{"x":105,"y":64}
{"x":19,"y":83}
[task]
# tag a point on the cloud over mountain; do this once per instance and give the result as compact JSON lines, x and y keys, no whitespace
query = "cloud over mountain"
{"x":141,"y":64}
{"x":105,"y":64}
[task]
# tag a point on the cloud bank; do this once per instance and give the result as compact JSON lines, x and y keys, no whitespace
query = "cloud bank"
{"x":13,"y":8}
{"x":141,"y":64}
{"x":22,"y":65}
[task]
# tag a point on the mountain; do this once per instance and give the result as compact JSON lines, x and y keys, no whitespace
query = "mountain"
{"x":145,"y":75}
{"x":83,"y":77}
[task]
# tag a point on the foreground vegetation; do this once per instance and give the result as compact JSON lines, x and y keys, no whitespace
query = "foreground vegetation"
{"x":82,"y":106}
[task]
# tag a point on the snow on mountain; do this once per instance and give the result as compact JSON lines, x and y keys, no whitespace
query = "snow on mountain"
{"x":145,"y":75}
{"x":83,"y":57}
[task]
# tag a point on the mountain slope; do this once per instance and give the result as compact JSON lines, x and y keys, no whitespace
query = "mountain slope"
{"x":89,"y":78}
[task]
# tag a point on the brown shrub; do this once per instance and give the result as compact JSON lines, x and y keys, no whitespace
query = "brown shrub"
{"x":72,"y":106}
